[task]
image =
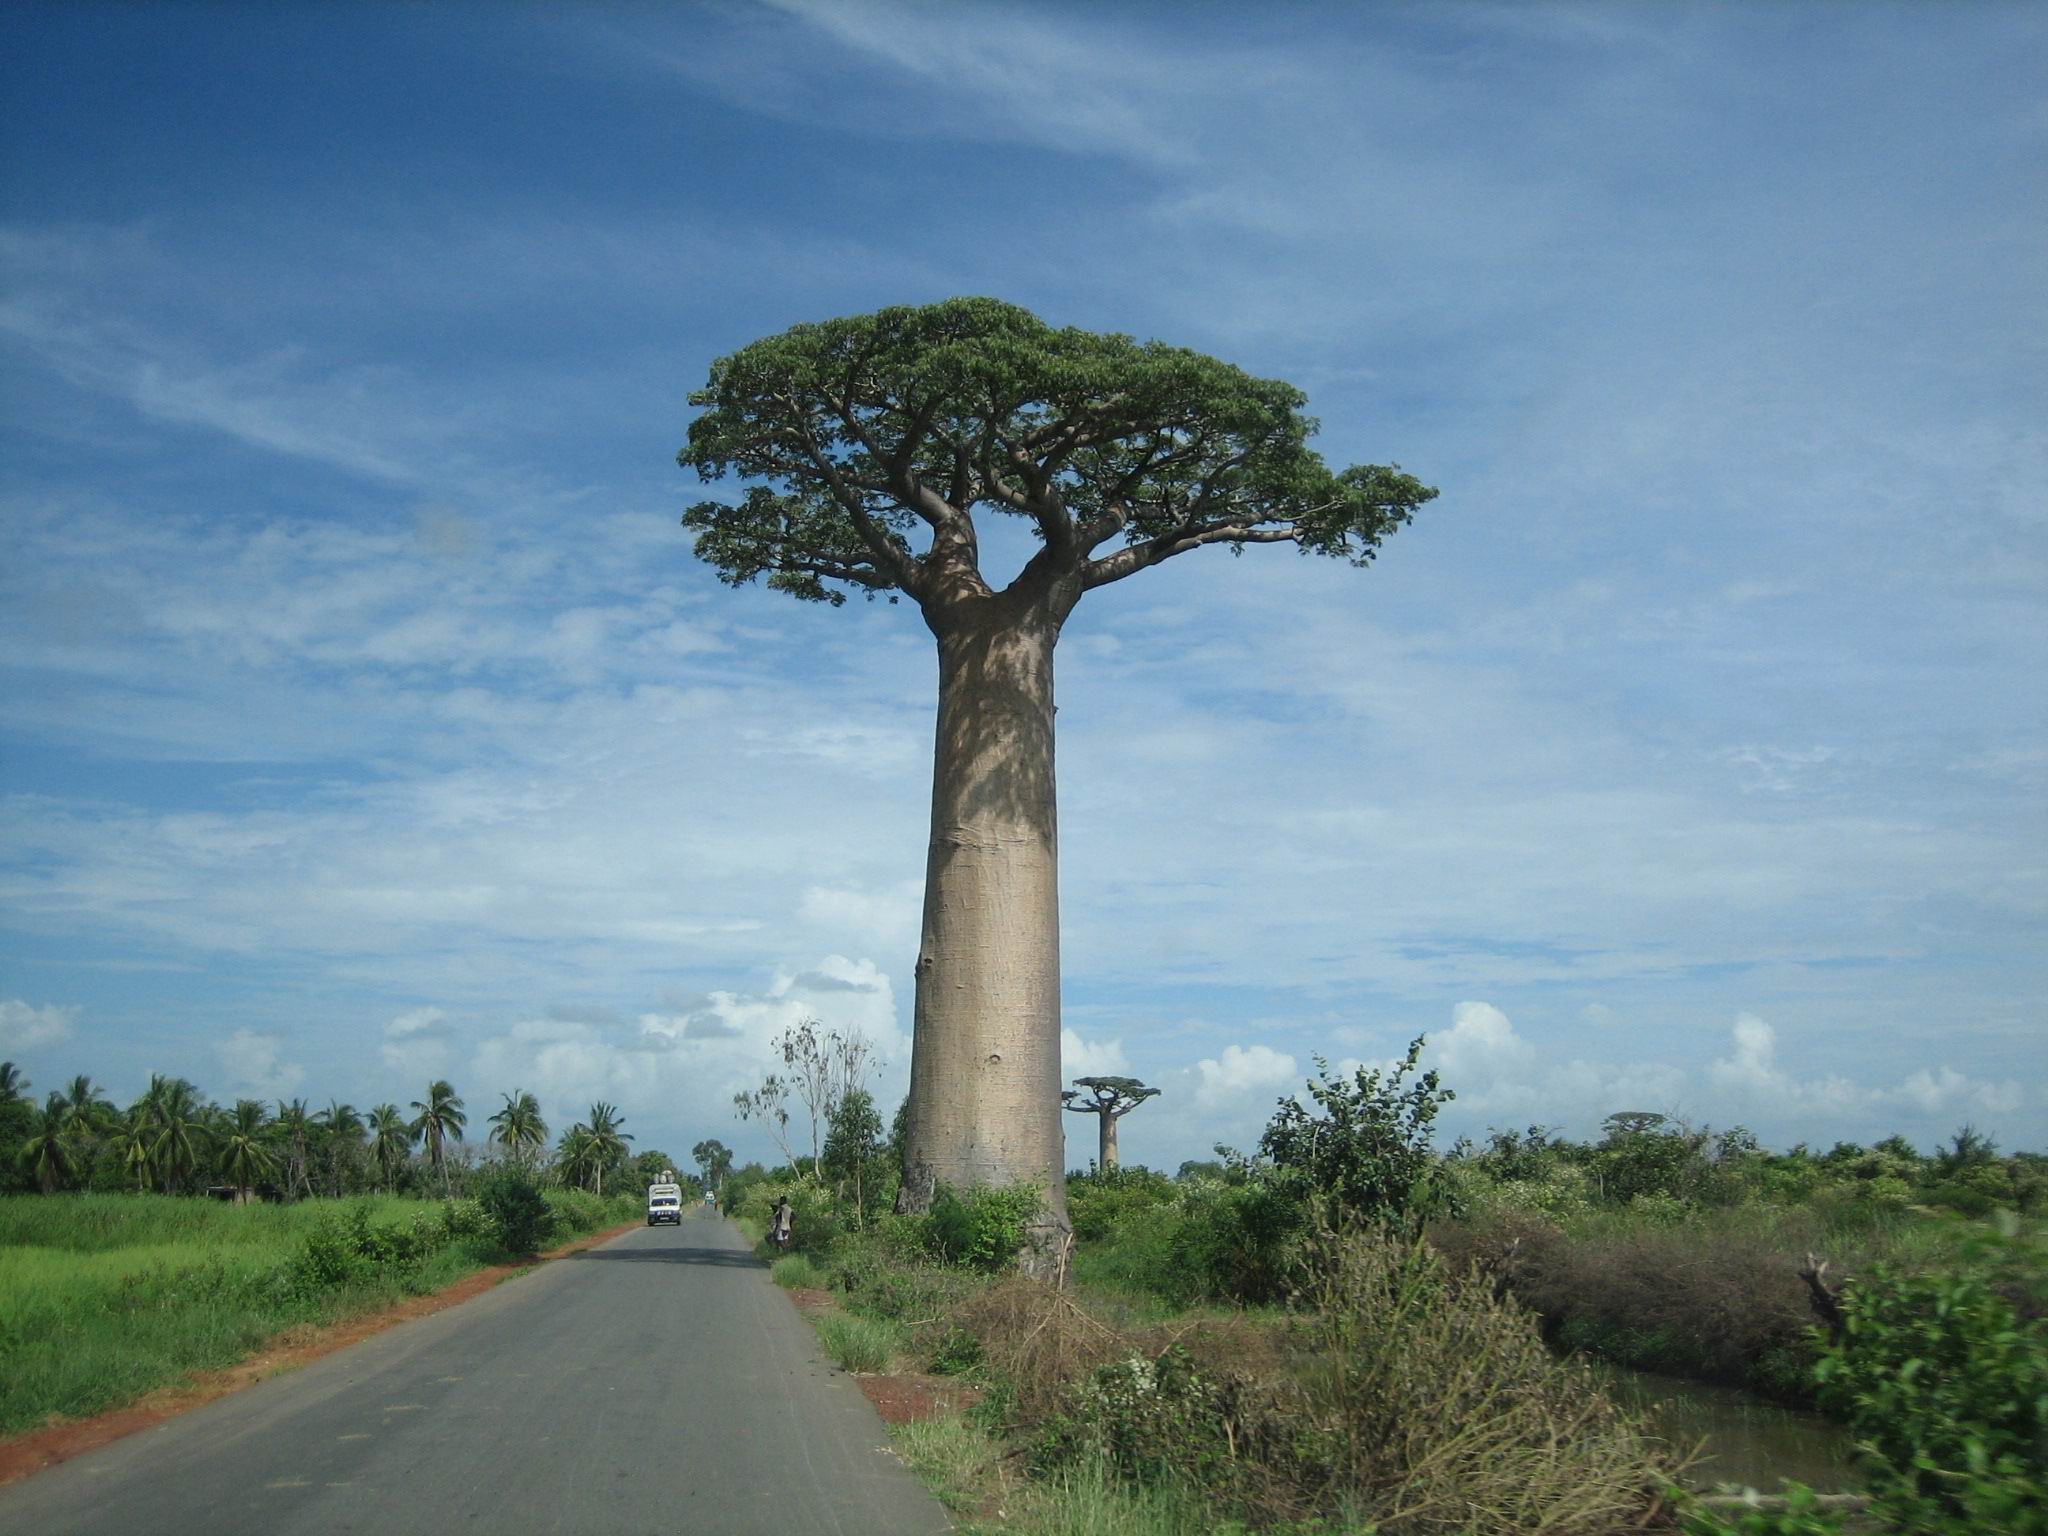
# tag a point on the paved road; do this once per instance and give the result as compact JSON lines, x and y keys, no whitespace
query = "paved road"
{"x":658,"y":1383}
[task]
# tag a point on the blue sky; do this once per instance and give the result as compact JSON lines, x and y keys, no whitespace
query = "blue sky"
{"x":365,"y":716}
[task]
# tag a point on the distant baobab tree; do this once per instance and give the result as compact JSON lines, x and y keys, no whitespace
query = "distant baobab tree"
{"x":1109,"y":1099}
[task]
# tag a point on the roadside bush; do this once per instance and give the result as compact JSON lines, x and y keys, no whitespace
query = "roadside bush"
{"x":1401,"y":1398}
{"x":1444,"y":1411}
{"x":1365,"y":1147}
{"x":466,"y":1217}
{"x":1948,"y":1391}
{"x":1211,"y":1242}
{"x":886,"y":1274}
{"x":1100,"y":1203}
{"x":982,"y":1228}
{"x":576,"y":1209}
{"x":816,"y":1220}
{"x":512,"y":1203}
{"x":1716,"y":1297}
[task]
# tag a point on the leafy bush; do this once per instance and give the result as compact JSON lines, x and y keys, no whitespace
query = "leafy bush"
{"x":1099,"y":1203}
{"x":816,"y":1221}
{"x":512,"y":1203}
{"x":1948,"y":1391}
{"x":982,"y":1228}
{"x":1153,"y":1420}
{"x":1365,"y":1149}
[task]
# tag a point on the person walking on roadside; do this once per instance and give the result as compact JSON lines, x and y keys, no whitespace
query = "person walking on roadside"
{"x":782,"y":1226}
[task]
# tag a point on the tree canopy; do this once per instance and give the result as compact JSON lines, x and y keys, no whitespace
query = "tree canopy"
{"x":880,"y":437}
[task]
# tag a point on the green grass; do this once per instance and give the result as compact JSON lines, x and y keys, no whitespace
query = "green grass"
{"x":858,"y":1343}
{"x":795,"y":1271}
{"x":106,"y":1297}
{"x":962,"y":1465}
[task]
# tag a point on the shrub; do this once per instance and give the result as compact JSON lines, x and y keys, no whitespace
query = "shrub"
{"x":1945,"y":1387}
{"x":1365,"y":1148}
{"x":517,"y":1211}
{"x":1099,"y":1203}
{"x":464,"y":1218}
{"x":982,"y":1228}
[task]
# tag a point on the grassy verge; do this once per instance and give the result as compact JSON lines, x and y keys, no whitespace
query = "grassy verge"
{"x":106,"y":1297}
{"x":964,"y":1465}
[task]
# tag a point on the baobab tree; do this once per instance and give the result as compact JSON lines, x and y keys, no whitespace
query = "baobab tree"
{"x":1109,"y":1099}
{"x":871,"y":445}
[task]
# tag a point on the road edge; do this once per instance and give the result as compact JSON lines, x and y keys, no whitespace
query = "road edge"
{"x":37,"y":1450}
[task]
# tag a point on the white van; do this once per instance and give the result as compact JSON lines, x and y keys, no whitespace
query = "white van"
{"x":664,"y":1203}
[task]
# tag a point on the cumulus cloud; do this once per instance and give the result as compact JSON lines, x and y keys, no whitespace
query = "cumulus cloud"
{"x":681,"y":1065}
{"x":419,"y":1043}
{"x":1481,"y":1044}
{"x":1752,"y":1073}
{"x":1083,"y":1058}
{"x":1242,"y":1070}
{"x":23,"y":1028}
{"x":255,"y":1065}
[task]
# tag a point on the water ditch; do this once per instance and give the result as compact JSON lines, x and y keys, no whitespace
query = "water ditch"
{"x":1746,"y":1441}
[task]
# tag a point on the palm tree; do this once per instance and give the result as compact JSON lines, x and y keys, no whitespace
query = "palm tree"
{"x":48,"y":1151}
{"x":294,"y":1121}
{"x":178,"y":1127}
{"x":85,"y":1106}
{"x":344,"y":1129}
{"x":12,"y":1084}
{"x":242,"y":1145}
{"x":439,"y":1121}
{"x":133,"y":1144}
{"x":607,"y":1141}
{"x":518,"y":1127}
{"x":576,"y":1155}
{"x":390,"y":1138}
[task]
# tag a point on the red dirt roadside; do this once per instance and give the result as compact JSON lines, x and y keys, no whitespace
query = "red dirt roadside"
{"x":30,"y":1452}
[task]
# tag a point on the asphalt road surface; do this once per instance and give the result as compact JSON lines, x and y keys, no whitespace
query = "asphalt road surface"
{"x":658,"y":1383}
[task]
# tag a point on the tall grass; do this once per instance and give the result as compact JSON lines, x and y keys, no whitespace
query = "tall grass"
{"x":106,"y":1297}
{"x":795,"y":1271}
{"x":857,"y":1343}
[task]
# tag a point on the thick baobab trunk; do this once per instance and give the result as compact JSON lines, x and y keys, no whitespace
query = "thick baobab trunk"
{"x":1106,"y":1160}
{"x":985,"y":1057}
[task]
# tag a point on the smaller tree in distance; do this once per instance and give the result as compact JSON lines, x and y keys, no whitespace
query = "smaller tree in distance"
{"x":714,"y":1162}
{"x":1109,"y":1099}
{"x":853,"y":1139}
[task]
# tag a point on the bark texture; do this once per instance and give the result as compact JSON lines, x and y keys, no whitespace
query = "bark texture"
{"x":985,"y":1061}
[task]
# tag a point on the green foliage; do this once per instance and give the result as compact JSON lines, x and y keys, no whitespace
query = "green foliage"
{"x":1100,"y":1202}
{"x":866,"y":427}
{"x":796,"y":1272}
{"x":1365,"y":1148}
{"x":856,"y":1343}
{"x":1151,"y":1420}
{"x":512,"y":1202}
{"x":1948,"y":1391}
{"x":981,"y":1228}
{"x":817,"y":1220}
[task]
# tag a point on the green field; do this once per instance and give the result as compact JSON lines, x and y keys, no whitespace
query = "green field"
{"x":106,"y":1297}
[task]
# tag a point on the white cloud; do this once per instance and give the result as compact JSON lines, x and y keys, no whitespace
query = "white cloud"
{"x":1481,"y":1045}
{"x":1082,"y":1058}
{"x":255,"y":1065}
{"x":1242,"y":1070}
{"x":418,"y":1044}
{"x":23,"y":1027}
